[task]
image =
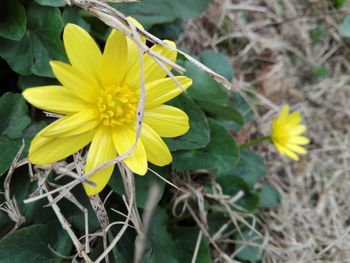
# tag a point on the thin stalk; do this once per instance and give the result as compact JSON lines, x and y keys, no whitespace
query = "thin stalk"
{"x":255,"y":141}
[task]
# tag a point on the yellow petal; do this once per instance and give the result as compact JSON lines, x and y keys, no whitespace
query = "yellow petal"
{"x":70,"y":125}
{"x":294,"y":119}
{"x":297,"y":130}
{"x":101,"y":151}
{"x":123,"y":140}
{"x":78,"y":83}
{"x":55,"y":99}
{"x":296,"y":148}
{"x":299,"y":140}
{"x":153,"y":71}
{"x":292,"y":155}
{"x":82,"y":50}
{"x":114,"y":59}
{"x":157,"y":151}
{"x":45,"y":150}
{"x":285,"y":151}
{"x":281,"y":119}
{"x":167,"y":121}
{"x":279,"y":147}
{"x":163,"y":90}
{"x":133,"y":49}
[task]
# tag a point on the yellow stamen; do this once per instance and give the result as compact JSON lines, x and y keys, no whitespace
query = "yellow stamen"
{"x":117,"y":106}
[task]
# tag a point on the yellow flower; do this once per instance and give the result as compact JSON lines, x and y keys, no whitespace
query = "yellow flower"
{"x":98,"y":98}
{"x":286,"y":134}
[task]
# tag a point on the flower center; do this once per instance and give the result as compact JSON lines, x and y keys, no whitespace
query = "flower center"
{"x":117,"y":106}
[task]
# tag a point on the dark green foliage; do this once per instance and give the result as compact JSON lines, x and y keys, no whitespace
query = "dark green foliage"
{"x":221,"y":153}
{"x":40,"y":43}
{"x":155,"y":12}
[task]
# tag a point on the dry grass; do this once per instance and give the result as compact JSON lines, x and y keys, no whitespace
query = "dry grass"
{"x":273,"y":54}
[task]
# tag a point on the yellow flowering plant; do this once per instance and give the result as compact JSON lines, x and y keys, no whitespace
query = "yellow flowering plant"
{"x":286,"y":134}
{"x":98,"y":100}
{"x":106,"y":110}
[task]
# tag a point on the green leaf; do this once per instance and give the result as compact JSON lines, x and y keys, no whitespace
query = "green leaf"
{"x":55,"y":3}
{"x":251,"y":250}
{"x":185,"y":239}
{"x":250,"y":167}
{"x":73,"y":15}
{"x":345,"y":27}
{"x":189,"y":9}
{"x":12,"y":19}
{"x":40,"y":44}
{"x":237,"y":103}
{"x":218,"y":62}
{"x":224,"y":112}
{"x":220,"y":154}
{"x":199,"y":134}
{"x":204,"y":88}
{"x":142,"y":184}
{"x":154,"y":12}
{"x":149,"y":12}
{"x":21,"y":188}
{"x":159,"y":245}
{"x":35,"y":81}
{"x":170,"y":31}
{"x":269,"y":196}
{"x":232,"y":184}
{"x":13,"y":119}
{"x":8,"y":151}
{"x":59,"y":240}
{"x":28,"y":245}
{"x":9,"y":148}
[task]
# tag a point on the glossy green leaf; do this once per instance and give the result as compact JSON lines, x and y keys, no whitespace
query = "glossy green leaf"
{"x":218,"y":62}
{"x":15,"y":120}
{"x":76,"y":216}
{"x":40,"y":44}
{"x":21,"y":187}
{"x":153,"y":12}
{"x":220,"y":154}
{"x":10,"y":147}
{"x":170,"y":31}
{"x":224,"y":112}
{"x":12,"y":19}
{"x":149,"y":12}
{"x":250,"y":167}
{"x":199,"y":134}
{"x":204,"y":88}
{"x":249,"y":251}
{"x":55,"y":3}
{"x":189,"y":9}
{"x":73,"y":15}
{"x":185,"y":239}
{"x":232,"y":184}
{"x":269,"y":196}
{"x":142,"y":184}
{"x":159,"y":245}
{"x":35,"y":81}
{"x":241,"y":105}
{"x":28,"y":245}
